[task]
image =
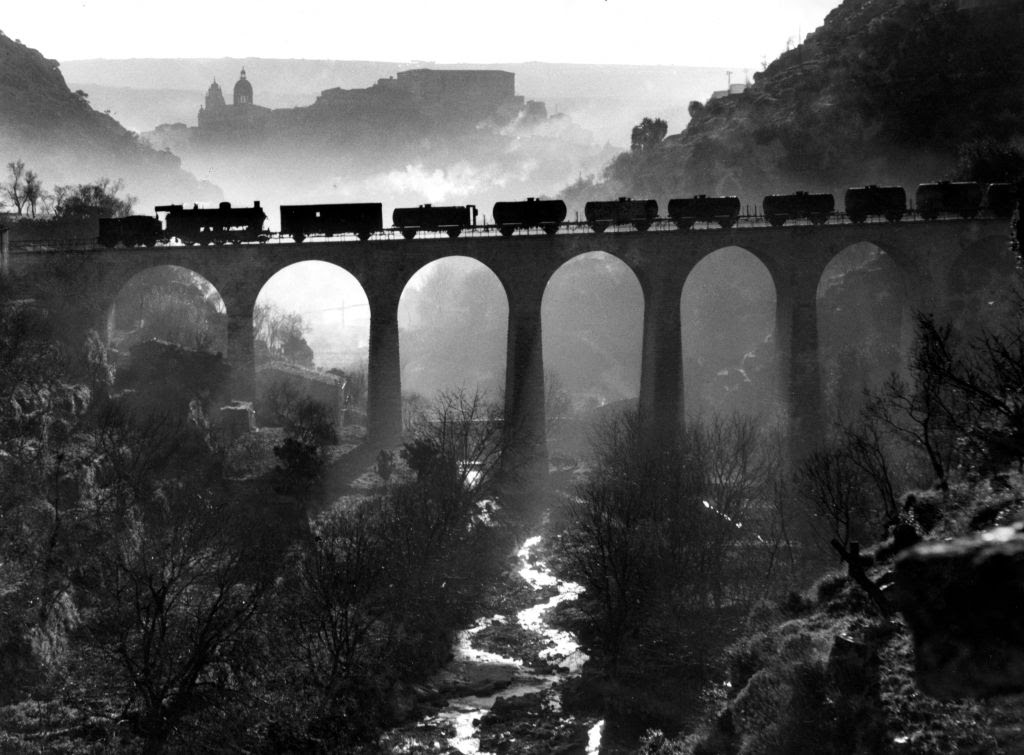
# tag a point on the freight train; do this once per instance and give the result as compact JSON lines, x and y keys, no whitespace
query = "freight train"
{"x":226,"y":224}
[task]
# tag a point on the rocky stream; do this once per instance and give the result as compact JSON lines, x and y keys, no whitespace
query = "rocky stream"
{"x":501,"y":692}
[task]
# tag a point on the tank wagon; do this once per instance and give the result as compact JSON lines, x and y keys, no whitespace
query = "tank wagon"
{"x":778,"y":208}
{"x":863,"y":202}
{"x":546,"y":214}
{"x":686,"y":211}
{"x":961,"y":198}
{"x":302,"y":221}
{"x":426,"y":217}
{"x":639,"y":213}
{"x":218,"y":226}
{"x":134,"y":230}
{"x":1001,"y":199}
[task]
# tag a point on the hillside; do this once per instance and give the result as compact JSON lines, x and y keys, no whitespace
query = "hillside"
{"x":60,"y":136}
{"x":883,"y":92}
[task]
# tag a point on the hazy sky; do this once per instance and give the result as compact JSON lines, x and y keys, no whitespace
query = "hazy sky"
{"x":668,"y":32}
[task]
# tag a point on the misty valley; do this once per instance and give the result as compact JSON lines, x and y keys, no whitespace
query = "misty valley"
{"x":371,"y":407}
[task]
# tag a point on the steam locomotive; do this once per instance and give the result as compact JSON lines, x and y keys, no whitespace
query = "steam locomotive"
{"x":235,"y":225}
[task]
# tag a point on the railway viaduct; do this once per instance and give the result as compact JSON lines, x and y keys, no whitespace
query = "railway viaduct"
{"x":926,"y":255}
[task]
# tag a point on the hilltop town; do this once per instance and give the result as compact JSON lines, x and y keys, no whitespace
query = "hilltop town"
{"x":420,"y":101}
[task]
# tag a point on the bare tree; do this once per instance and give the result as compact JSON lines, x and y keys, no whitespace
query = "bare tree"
{"x":32,"y":191}
{"x":834,"y":491}
{"x":457,"y":443}
{"x":920,"y":411}
{"x":14,"y":189}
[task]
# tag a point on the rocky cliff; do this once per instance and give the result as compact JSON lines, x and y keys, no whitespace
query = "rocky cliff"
{"x":885,"y":91}
{"x":64,"y":140}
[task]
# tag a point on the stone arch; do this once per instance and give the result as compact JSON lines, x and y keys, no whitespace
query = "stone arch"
{"x":330,"y":300}
{"x":728,"y":311}
{"x":592,"y":312}
{"x":452,"y":324}
{"x":865,"y":325}
{"x":311,"y":332}
{"x":167,"y":302}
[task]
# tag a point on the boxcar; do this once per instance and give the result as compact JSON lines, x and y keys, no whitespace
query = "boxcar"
{"x":426,"y":217}
{"x":639,"y":213}
{"x":863,"y":202}
{"x":547,"y":214}
{"x":688,"y":210}
{"x":218,"y":226}
{"x":778,"y":208}
{"x":362,"y":219}
{"x":961,"y":198}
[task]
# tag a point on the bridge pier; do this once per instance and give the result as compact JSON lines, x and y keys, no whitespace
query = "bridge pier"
{"x":800,"y":389}
{"x":241,"y":357}
{"x":384,"y":372}
{"x":526,"y":453}
{"x":661,"y":370}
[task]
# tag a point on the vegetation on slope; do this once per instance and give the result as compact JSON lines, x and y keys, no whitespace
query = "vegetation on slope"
{"x":57,"y":132}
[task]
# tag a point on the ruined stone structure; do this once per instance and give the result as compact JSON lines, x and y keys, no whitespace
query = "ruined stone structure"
{"x":930,"y":258}
{"x":438,"y":95}
{"x":325,"y":387}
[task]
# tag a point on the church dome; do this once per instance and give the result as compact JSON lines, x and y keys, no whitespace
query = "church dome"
{"x":243,"y":91}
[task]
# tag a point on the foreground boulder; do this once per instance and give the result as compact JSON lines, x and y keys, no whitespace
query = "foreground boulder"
{"x":964,"y":602}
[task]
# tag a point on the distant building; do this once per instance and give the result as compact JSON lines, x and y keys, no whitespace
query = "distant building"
{"x":241,"y":117}
{"x":732,"y":91}
{"x":438,"y":95}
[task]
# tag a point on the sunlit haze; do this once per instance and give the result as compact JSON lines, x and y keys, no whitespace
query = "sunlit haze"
{"x":738,"y":33}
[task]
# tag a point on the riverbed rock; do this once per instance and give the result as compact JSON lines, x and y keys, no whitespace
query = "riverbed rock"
{"x":964,"y":602}
{"x":530,"y":725}
{"x":465,"y":678}
{"x":513,"y":641}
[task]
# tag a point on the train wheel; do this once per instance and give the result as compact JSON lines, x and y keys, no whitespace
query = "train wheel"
{"x":299,"y":237}
{"x":929,"y":215}
{"x":408,"y":233}
{"x":453,"y":233}
{"x":597,"y":226}
{"x":818,"y":218}
{"x":507,"y":230}
{"x":641,"y":225}
{"x":777,"y":221}
{"x":151,"y":242}
{"x":893,"y":217}
{"x":857,"y":218}
{"x":364,"y":235}
{"x":684,"y":225}
{"x":550,"y":228}
{"x":726,"y":222}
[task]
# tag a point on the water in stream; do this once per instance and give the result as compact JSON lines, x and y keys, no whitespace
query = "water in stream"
{"x":527,"y":689}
